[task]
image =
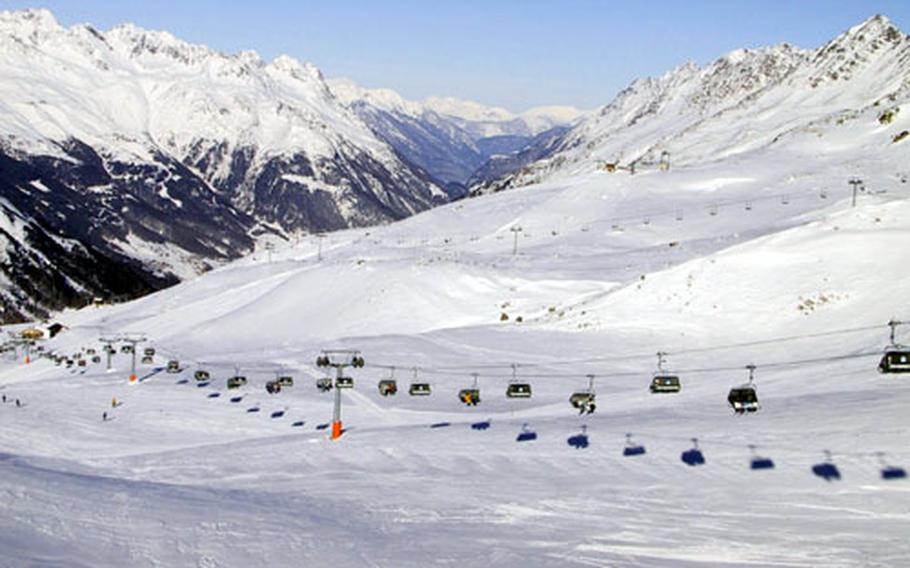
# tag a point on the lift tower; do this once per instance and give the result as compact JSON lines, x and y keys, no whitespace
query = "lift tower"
{"x":339,"y":360}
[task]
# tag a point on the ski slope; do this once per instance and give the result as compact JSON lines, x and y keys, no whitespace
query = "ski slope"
{"x":720,"y":264}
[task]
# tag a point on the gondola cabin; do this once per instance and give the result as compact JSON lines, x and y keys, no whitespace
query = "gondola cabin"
{"x":665,"y":384}
{"x":518,"y":390}
{"x":895,"y":361}
{"x":388,"y":387}
{"x":743,"y":399}
{"x":344,"y":382}
{"x":236,"y":382}
{"x":173,"y":366}
{"x":419,"y":389}
{"x":469,"y":397}
{"x":201,"y":375}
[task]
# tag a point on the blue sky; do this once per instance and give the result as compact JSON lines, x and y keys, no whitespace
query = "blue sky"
{"x":511,"y":53}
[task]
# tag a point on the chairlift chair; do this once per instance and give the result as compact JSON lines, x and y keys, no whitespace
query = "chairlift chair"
{"x":744,"y":398}
{"x":286,"y":381}
{"x":897,"y":357}
{"x":664,"y":382}
{"x":344,"y":382}
{"x":149,"y":352}
{"x":96,"y":359}
{"x":518,"y":390}
{"x":388,"y":387}
{"x":419,"y":389}
{"x":584,"y":401}
{"x":90,"y":351}
{"x":173,"y":366}
{"x":126,"y":349}
{"x":324,"y":385}
{"x":895,"y":360}
{"x":199,"y":375}
{"x":146,"y":360}
{"x":272,"y":387}
{"x":236,"y":382}
{"x":81,"y":363}
{"x":470,"y":397}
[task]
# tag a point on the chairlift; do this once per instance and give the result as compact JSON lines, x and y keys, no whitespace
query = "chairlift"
{"x":584,"y":400}
{"x":664,"y":382}
{"x":417,"y":388}
{"x":748,"y":206}
{"x":286,"y":381}
{"x":96,"y":359}
{"x":236,"y":382}
{"x":149,"y":352}
{"x":470,"y":396}
{"x":344,"y":383}
{"x":744,"y":398}
{"x":272,"y":387}
{"x":388,"y":387}
{"x":896,"y":358}
{"x":324,"y":385}
{"x":81,"y":363}
{"x":517,"y":388}
{"x":89,"y":351}
{"x":147,"y":360}
{"x":632,"y":449}
{"x":173,"y":366}
{"x":126,"y":348}
{"x":200,"y":375}
{"x":785,"y":199}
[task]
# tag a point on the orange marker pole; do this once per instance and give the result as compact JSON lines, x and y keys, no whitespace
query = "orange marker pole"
{"x":336,"y":429}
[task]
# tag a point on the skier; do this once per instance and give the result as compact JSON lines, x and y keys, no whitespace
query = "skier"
{"x":114,"y":402}
{"x":4,"y":398}
{"x":104,"y":416}
{"x":18,"y":404}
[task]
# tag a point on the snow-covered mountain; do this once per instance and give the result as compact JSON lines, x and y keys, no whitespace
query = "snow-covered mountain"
{"x":452,"y":139}
{"x":746,"y":101}
{"x":166,"y":157}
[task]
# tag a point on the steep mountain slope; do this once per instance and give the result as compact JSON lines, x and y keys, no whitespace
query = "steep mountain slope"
{"x":141,"y":147}
{"x":748,"y":100}
{"x":451,"y":139}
